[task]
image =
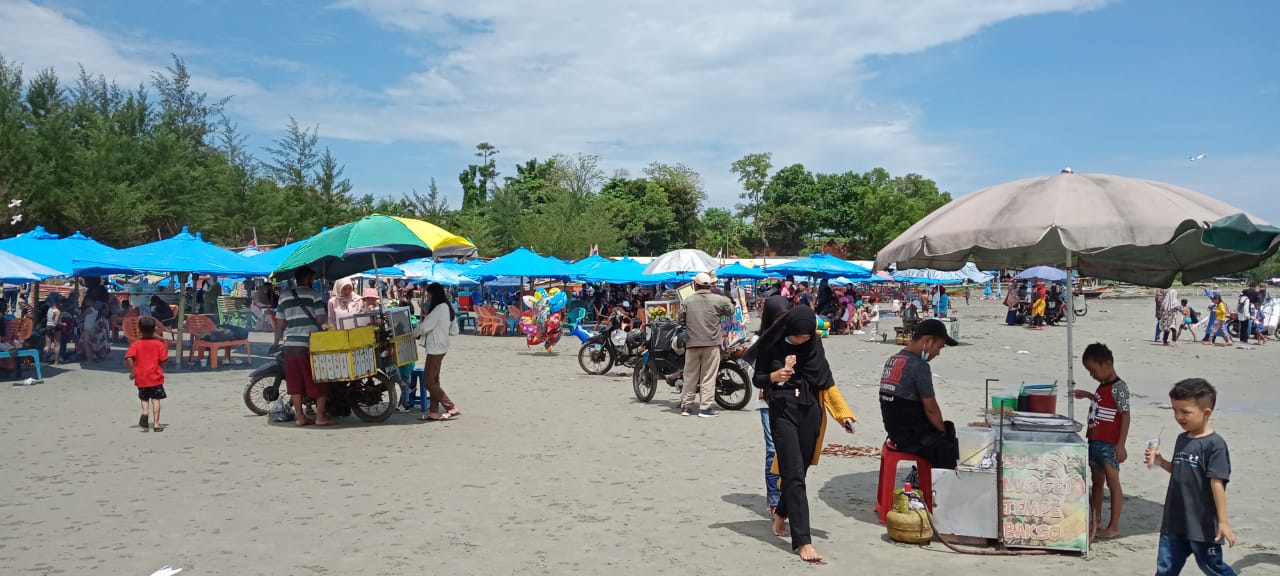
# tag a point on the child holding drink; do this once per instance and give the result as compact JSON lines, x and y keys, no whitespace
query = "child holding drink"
{"x":1195,"y":506}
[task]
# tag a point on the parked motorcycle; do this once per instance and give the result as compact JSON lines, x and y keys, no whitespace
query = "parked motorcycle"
{"x":371,"y":399}
{"x":663,"y":356}
{"x":615,"y":345}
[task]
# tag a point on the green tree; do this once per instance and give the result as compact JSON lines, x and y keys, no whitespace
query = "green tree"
{"x":477,"y":180}
{"x":723,"y":233}
{"x":683,"y":186}
{"x":639,"y":210}
{"x":580,"y":174}
{"x":432,"y":207}
{"x":753,"y":173}
{"x":333,"y":190}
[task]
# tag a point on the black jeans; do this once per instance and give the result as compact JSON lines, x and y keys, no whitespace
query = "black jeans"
{"x":940,"y":449}
{"x":795,"y":423}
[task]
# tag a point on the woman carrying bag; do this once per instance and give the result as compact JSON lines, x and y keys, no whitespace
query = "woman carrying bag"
{"x":791,"y":366}
{"x":434,"y":331}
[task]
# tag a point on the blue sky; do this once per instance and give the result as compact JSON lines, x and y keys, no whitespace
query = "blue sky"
{"x":969,"y":93}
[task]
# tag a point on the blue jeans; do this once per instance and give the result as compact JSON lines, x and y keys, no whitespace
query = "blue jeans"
{"x":1175,"y":549}
{"x":772,"y":490}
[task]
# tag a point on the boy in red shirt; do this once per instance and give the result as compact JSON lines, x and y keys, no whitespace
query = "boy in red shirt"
{"x":1108,"y":431}
{"x":145,"y":360}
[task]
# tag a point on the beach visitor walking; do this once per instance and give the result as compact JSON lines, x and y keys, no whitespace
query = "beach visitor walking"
{"x":701,"y":316}
{"x":791,"y":365}
{"x":1195,"y":504}
{"x":145,"y":360}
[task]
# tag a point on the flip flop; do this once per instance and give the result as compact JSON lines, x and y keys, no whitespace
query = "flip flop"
{"x":158,"y":429}
{"x":433,"y":418}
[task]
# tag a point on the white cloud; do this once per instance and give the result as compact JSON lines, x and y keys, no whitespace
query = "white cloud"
{"x":40,"y":37}
{"x":677,"y":81}
{"x":700,"y":82}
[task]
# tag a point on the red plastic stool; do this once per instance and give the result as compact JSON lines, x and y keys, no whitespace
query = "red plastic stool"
{"x":889,"y":459}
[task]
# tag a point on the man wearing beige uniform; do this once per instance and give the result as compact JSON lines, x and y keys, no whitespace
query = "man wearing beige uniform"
{"x":701,"y":316}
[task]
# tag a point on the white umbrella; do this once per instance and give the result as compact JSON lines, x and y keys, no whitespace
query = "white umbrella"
{"x":683,"y":260}
{"x":18,"y":270}
{"x":1112,"y":227}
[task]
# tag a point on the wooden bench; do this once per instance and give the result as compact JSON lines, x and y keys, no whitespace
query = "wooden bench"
{"x":199,"y":325}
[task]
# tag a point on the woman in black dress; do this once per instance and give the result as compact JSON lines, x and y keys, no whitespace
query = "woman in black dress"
{"x":791,"y":366}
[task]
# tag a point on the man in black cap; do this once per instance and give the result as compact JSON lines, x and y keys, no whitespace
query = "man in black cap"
{"x":908,"y":406}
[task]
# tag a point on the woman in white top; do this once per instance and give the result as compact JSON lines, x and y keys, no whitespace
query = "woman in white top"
{"x":434,"y":331}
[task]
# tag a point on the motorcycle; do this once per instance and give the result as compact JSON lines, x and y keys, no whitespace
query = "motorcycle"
{"x":615,"y":345}
{"x":371,"y":399}
{"x":663,"y":355}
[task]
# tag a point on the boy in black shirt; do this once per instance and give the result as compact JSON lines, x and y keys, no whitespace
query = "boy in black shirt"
{"x":1195,"y":507}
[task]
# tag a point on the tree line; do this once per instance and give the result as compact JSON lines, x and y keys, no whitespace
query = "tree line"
{"x":131,"y":165}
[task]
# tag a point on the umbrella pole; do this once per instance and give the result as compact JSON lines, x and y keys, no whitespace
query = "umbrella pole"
{"x":1071,"y":321}
{"x":177,"y":325}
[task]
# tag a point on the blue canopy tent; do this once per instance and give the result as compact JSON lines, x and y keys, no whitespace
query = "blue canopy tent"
{"x":267,"y":261}
{"x":523,"y":263}
{"x":820,"y":266}
{"x":628,"y":271}
{"x":183,"y":252}
{"x":18,"y":270}
{"x":738,"y":271}
{"x":586,"y":265}
{"x":53,"y":251}
{"x":445,"y":272}
{"x":924,"y":280}
{"x":969,"y":273}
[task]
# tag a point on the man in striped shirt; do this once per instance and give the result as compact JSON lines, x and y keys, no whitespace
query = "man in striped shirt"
{"x":302,"y":311}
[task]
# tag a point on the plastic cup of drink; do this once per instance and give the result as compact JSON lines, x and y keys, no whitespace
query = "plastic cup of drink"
{"x":1153,"y":444}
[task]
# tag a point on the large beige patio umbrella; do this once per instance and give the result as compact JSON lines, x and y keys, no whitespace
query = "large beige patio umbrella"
{"x":1111,"y":227}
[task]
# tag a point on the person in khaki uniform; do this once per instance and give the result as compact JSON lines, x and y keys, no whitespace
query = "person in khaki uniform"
{"x":701,"y":316}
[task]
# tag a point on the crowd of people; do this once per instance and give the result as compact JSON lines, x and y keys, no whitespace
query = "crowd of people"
{"x":1244,"y":315}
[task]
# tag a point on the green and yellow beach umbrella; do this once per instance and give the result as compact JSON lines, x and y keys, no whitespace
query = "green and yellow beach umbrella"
{"x":371,"y":242}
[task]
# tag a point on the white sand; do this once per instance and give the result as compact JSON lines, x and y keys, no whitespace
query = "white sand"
{"x":551,"y":471}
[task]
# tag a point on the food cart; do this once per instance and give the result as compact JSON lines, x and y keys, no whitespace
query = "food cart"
{"x":1021,"y":482}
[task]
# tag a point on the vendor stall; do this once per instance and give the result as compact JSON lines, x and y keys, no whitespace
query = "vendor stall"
{"x":1022,"y":482}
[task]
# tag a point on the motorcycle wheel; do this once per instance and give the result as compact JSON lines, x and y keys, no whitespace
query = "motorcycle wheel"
{"x":644,"y":383}
{"x":595,"y":359}
{"x":255,"y":393}
{"x":385,"y":390}
{"x":733,"y":389}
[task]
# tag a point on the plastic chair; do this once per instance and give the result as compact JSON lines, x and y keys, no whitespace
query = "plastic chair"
{"x":132,"y":332}
{"x":199,"y":325}
{"x":20,"y":329}
{"x":573,"y":317}
{"x":889,"y":459}
{"x":117,"y":323}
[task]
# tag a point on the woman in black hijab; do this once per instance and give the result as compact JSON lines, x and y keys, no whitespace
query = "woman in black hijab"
{"x":775,"y":307}
{"x":791,"y":366}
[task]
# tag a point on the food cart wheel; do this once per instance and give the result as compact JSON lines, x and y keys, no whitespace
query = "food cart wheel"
{"x":261,"y":392}
{"x":378,"y":386}
{"x":643,"y":382}
{"x":733,"y":388}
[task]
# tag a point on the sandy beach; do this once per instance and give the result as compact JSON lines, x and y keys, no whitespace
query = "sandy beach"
{"x":552,"y":471}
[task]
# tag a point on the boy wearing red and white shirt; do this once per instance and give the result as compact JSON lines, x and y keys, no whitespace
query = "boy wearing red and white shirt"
{"x":1108,"y":431}
{"x":145,"y":360}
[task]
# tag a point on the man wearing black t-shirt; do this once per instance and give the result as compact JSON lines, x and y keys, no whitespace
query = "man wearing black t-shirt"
{"x":912,"y":418}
